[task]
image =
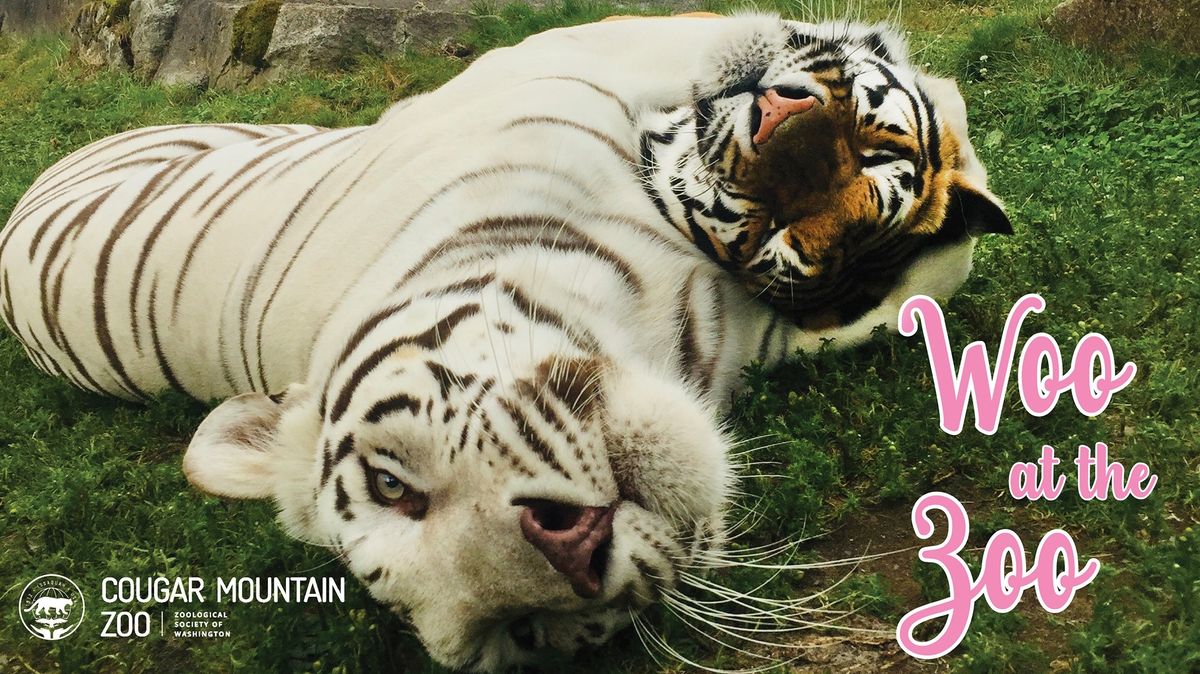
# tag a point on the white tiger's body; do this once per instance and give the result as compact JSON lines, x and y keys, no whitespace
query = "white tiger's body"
{"x":494,"y":230}
{"x":258,"y":291}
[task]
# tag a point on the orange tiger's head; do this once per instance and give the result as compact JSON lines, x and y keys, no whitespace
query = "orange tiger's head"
{"x":859,"y":165}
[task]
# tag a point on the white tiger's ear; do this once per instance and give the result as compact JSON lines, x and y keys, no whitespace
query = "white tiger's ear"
{"x":237,"y":452}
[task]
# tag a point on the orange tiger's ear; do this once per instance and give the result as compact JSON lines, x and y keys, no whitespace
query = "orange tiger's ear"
{"x":685,"y":15}
{"x":975,"y":211}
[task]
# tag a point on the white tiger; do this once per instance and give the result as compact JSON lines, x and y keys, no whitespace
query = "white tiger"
{"x":505,"y":350}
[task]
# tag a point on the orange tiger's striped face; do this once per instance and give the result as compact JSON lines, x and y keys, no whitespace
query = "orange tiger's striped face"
{"x":859,"y":165}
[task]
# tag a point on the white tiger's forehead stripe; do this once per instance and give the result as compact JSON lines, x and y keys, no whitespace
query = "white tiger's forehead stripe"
{"x":428,"y":339}
{"x":533,"y":420}
{"x":381,"y":323}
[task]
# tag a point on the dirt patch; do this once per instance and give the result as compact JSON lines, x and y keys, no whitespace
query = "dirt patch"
{"x":888,"y":528}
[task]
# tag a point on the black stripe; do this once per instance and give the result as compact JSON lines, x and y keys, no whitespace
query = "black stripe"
{"x":542,"y":404}
{"x":768,"y":334}
{"x":396,"y":403}
{"x":50,"y":310}
{"x":159,"y":354}
{"x":326,"y":464}
{"x":447,"y":379}
{"x":342,"y":501}
{"x":551,"y":233}
{"x":365,"y":328}
{"x":709,"y":369}
{"x":430,"y":339}
{"x":689,"y":348}
{"x":47,"y":224}
{"x":597,"y":88}
{"x":60,"y":339}
{"x":540,"y":314}
{"x":144,"y":255}
{"x":935,"y":139}
{"x":532,"y":438}
{"x":349,"y":135}
{"x":608,"y":140}
{"x":344,"y":448}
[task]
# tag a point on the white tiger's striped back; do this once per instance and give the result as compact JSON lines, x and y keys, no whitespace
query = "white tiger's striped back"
{"x":108,"y":243}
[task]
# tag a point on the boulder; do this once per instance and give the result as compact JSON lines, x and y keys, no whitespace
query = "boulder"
{"x":152,"y":23}
{"x":225,"y":43}
{"x":324,"y":34}
{"x":1114,"y":25}
{"x":320,"y":35}
{"x":101,"y":39}
{"x":36,"y":15}
{"x":433,"y":27}
{"x":199,"y":52}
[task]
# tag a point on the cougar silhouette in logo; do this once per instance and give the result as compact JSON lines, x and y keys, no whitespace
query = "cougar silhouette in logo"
{"x":43,"y":606}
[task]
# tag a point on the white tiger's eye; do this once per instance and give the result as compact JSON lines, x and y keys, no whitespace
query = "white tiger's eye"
{"x":391,"y":491}
{"x":389,"y":487}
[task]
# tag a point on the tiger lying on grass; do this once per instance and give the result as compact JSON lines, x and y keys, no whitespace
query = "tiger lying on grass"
{"x":506,"y":318}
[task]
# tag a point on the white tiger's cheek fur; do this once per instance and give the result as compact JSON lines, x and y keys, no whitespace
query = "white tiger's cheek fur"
{"x":298,"y":474}
{"x":666,"y":451}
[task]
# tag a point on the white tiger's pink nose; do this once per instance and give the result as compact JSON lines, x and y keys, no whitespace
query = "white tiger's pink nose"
{"x":574,"y":539}
{"x":774,"y":108}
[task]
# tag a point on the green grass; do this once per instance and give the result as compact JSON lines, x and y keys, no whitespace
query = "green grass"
{"x":1099,"y":161}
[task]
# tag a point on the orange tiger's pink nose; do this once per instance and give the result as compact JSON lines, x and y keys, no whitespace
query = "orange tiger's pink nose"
{"x":775,"y":109}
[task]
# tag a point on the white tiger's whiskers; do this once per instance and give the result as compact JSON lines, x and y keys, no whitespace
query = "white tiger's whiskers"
{"x":341,"y":550}
{"x":750,"y":622}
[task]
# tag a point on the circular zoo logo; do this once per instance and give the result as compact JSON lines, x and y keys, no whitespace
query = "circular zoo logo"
{"x":51,"y":607}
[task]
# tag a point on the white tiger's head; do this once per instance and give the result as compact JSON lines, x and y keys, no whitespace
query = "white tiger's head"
{"x":508,"y":506}
{"x":858,"y":165}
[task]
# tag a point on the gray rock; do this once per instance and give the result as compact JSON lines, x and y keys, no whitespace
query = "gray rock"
{"x":36,"y":15}
{"x":189,"y":42}
{"x":321,"y":34}
{"x":152,"y":23}
{"x":198,"y":53}
{"x":427,"y":28}
{"x":97,"y":43}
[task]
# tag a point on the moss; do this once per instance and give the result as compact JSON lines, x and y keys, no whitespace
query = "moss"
{"x":252,"y":29}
